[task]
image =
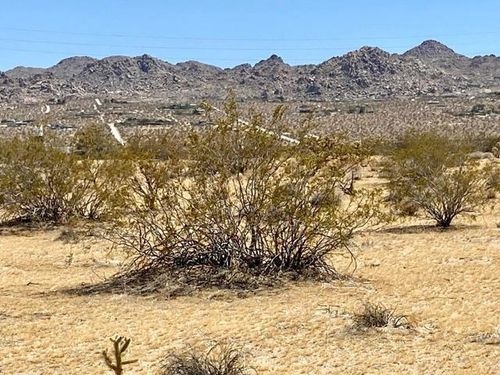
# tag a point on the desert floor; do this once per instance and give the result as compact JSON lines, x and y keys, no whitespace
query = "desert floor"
{"x":447,"y":282}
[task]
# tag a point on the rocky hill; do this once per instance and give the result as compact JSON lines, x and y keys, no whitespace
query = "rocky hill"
{"x":430,"y":68}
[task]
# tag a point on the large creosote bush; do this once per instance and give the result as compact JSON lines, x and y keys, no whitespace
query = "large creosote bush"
{"x":434,"y":174}
{"x":41,"y":181}
{"x":244,"y":199}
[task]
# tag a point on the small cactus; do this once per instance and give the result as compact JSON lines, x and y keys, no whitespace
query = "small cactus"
{"x":120,"y":345}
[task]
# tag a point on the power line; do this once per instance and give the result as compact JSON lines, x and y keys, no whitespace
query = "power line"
{"x":197,"y":38}
{"x":196,"y":48}
{"x":199,"y":58}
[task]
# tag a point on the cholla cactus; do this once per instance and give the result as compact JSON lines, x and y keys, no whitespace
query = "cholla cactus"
{"x":120,"y":345}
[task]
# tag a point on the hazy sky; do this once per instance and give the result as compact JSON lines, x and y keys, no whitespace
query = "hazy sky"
{"x":230,"y":32}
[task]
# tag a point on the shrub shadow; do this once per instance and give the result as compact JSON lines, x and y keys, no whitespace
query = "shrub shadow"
{"x":176,"y":283}
{"x":426,"y":228}
{"x":23,"y":227}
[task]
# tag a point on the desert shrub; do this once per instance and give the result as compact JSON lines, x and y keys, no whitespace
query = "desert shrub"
{"x":378,"y":145}
{"x":40,"y":181}
{"x":378,"y":316}
{"x":164,"y":145}
{"x":483,"y":142}
{"x":245,"y":200}
{"x":480,"y":109}
{"x":94,"y":141}
{"x":69,"y":236}
{"x":493,"y":182}
{"x":436,"y":175}
{"x":220,"y":360}
{"x":100,"y":189}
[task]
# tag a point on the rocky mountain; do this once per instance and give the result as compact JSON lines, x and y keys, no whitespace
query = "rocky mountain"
{"x":71,"y":66}
{"x":431,"y":49}
{"x":24,"y":72}
{"x":480,"y":70}
{"x":430,"y":68}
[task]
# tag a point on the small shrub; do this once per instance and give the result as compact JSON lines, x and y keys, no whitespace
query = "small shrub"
{"x":493,"y":183}
{"x":483,"y":142}
{"x":435,"y":174}
{"x":404,"y":207}
{"x":220,"y":360}
{"x":41,"y":182}
{"x":378,"y":316}
{"x":94,"y":141}
{"x":165,"y":145}
{"x":480,"y":109}
{"x":69,"y":236}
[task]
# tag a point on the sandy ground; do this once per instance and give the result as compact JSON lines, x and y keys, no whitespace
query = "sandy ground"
{"x":448,"y":282}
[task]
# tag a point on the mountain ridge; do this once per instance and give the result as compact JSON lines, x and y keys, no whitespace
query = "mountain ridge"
{"x":429,"y":68}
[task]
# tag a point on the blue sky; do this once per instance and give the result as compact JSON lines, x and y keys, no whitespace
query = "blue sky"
{"x":226,"y":33}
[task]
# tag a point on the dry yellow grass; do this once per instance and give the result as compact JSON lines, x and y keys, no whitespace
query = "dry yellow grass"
{"x":448,"y":282}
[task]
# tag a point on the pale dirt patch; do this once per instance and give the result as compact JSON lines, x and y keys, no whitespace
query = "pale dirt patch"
{"x":448,"y":282}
